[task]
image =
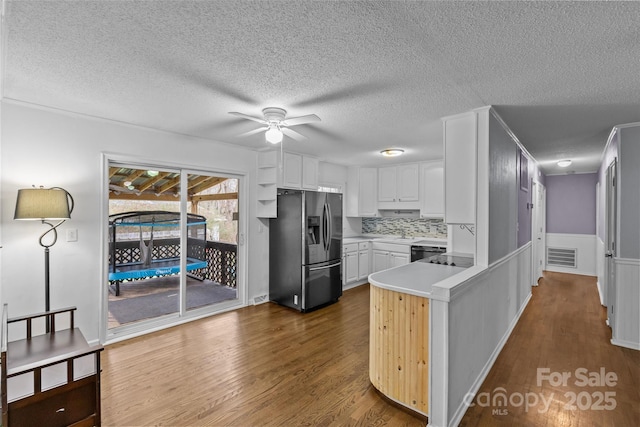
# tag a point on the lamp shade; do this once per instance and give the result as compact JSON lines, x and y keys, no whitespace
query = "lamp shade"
{"x":41,"y":204}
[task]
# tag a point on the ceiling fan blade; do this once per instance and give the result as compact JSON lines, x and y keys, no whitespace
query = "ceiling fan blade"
{"x":246,"y":116}
{"x":293,"y":121}
{"x":253,"y":132}
{"x":293,"y":134}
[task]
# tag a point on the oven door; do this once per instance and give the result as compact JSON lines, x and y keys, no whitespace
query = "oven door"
{"x":421,"y":252}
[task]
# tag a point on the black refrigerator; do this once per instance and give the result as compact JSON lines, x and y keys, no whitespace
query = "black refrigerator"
{"x":305,"y":249}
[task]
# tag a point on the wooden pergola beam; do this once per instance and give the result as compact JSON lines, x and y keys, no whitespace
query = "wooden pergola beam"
{"x":221,"y":196}
{"x":208,"y":183}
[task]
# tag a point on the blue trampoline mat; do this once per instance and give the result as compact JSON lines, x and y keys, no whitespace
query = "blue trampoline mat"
{"x":161,"y":267}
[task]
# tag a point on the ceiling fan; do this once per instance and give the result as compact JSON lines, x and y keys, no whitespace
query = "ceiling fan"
{"x":276,"y":124}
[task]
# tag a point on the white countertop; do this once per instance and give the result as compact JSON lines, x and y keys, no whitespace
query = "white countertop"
{"x":416,"y":278}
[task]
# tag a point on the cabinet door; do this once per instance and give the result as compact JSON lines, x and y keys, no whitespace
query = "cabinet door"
{"x":363,"y":264}
{"x":351,"y":267}
{"x":310,"y":173}
{"x":292,"y":171}
{"x":367,"y":197}
{"x":380,"y":261}
{"x":460,"y":145}
{"x":432,"y":181}
{"x":396,"y":259}
{"x":387,"y":184}
{"x":408,"y":183}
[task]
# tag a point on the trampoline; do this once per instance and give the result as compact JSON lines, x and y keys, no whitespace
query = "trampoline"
{"x":145,"y":244}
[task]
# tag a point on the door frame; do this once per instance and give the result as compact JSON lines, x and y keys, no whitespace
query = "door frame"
{"x":152,"y":325}
{"x":610,"y":238}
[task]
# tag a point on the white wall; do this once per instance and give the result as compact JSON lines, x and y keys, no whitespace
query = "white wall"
{"x":44,"y":147}
{"x":585,"y":245}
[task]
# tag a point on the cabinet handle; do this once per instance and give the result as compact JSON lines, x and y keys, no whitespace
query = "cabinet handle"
{"x":60,"y":410}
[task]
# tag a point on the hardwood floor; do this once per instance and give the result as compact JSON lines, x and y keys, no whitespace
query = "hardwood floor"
{"x":259,"y":366}
{"x":271,"y":366}
{"x":563,"y":329}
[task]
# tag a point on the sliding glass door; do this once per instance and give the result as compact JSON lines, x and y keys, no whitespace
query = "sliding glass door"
{"x":172,"y":243}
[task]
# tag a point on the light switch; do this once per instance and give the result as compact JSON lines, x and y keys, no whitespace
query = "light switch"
{"x":72,"y":235}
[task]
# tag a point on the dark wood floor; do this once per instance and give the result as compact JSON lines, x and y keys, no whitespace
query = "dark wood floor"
{"x":258,"y":366}
{"x":271,"y":366}
{"x":562,"y":329}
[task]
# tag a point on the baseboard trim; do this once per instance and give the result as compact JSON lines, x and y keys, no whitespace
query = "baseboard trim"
{"x":626,"y":344}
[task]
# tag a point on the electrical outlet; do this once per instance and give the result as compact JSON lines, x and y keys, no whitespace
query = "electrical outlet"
{"x":72,"y":235}
{"x":295,"y":300}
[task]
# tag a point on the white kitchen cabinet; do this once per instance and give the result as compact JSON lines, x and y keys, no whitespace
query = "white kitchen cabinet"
{"x":398,"y":186}
{"x":299,"y":172}
{"x":387,"y":177}
{"x":310,"y":173}
{"x":380,"y":260}
{"x":432,"y":186}
{"x":397,"y":259}
{"x":361,"y":200}
{"x":388,"y":255}
{"x":356,"y":262}
{"x":363,"y":260}
{"x":460,"y":154}
{"x":351,"y":267}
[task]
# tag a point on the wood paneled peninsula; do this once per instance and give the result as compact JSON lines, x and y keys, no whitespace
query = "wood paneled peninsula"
{"x":399,"y":360}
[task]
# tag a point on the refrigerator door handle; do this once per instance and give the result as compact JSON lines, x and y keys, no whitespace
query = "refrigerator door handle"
{"x":325,"y":266}
{"x":329,"y":226}
{"x":325,"y":226}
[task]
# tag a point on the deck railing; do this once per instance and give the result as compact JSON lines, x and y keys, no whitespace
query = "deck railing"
{"x":221,"y":257}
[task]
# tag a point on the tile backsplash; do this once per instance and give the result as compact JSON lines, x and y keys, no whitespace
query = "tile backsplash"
{"x":423,"y":227}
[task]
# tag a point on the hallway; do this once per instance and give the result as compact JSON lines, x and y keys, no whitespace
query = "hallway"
{"x":559,"y":355}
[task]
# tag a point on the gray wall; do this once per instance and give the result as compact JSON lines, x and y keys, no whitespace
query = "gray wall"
{"x":503,"y":192}
{"x":629,"y":174}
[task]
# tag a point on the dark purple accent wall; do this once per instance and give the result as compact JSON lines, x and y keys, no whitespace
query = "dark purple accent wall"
{"x":571,"y":203}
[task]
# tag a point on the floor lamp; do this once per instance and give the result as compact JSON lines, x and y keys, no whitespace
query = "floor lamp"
{"x":45,"y":204}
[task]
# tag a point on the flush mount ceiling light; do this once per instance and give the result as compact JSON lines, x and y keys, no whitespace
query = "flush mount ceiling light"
{"x":391,"y":152}
{"x":152,"y":173}
{"x":274,"y":134}
{"x":564,"y":163}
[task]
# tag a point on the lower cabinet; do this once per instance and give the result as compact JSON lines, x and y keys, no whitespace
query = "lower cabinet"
{"x":356,"y":262}
{"x":351,"y":267}
{"x":384,"y":258}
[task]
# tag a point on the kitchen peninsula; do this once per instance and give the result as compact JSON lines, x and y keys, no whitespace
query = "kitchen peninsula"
{"x":399,"y":361}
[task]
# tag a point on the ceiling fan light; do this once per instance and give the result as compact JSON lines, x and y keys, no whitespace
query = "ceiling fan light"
{"x":564,"y":163}
{"x":273,"y":135}
{"x":392,"y":152}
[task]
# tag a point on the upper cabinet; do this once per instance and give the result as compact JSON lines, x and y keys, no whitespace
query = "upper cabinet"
{"x":299,"y":172}
{"x":432,"y":190}
{"x":295,"y":171}
{"x":361,"y":197}
{"x":399,"y":186}
{"x":460,"y":152}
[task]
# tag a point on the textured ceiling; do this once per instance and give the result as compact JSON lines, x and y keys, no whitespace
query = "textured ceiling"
{"x":378,"y":73}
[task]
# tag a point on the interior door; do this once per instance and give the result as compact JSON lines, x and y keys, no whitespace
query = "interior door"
{"x":538,"y":231}
{"x":610,"y":240}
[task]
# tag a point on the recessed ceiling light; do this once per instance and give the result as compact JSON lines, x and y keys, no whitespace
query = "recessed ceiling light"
{"x":564,"y":163}
{"x":391,"y":152}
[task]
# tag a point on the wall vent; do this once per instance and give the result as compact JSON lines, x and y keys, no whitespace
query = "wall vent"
{"x":260,"y":299}
{"x":562,"y":257}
